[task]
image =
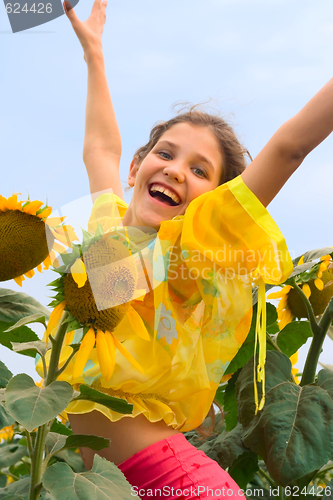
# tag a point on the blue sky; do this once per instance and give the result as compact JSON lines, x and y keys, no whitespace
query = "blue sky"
{"x":259,"y":62}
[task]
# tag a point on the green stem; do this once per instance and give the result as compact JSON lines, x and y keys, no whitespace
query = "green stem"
{"x":60,"y":370}
{"x":43,"y":430}
{"x":313,"y":323}
{"x":267,"y":477}
{"x":57,"y":342}
{"x":37,"y":462}
{"x":311,"y":362}
{"x":29,"y":444}
{"x":44,"y":367}
{"x":272,"y":342}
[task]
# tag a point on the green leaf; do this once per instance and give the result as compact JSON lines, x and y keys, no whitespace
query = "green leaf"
{"x":247,"y":350}
{"x":104,"y":482}
{"x":293,"y":336}
{"x":294,"y":431}
{"x":35,"y":346}
{"x":22,"y":334}
{"x":219,"y":395}
{"x":33,"y":406}
{"x":5,"y":375}
{"x":226,"y":447}
{"x":17,"y":490}
{"x":88,"y":441}
{"x":34,"y":318}
{"x":230,"y":403}
{"x":60,"y":428}
{"x":301,"y":269}
{"x":116,"y":404}
{"x":73,"y":325}
{"x":54,"y":442}
{"x":5,"y":418}
{"x":17,"y":305}
{"x":316,"y":254}
{"x":243,"y":468}
{"x":10,"y":453}
{"x":72,"y":458}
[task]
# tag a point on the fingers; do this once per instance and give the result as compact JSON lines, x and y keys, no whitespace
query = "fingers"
{"x":99,"y":7}
{"x":67,"y":6}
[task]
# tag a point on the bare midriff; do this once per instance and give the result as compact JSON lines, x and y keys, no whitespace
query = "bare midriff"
{"x":128,"y":435}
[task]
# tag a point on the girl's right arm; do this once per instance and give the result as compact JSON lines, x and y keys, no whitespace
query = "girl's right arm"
{"x":102,"y":141}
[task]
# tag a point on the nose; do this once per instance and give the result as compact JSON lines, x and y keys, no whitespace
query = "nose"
{"x":175,"y":171}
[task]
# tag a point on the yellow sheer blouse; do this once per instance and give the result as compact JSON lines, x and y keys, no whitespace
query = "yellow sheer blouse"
{"x":203,"y":265}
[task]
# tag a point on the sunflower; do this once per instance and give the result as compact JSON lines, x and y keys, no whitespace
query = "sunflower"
{"x":96,"y":284}
{"x":27,"y":238}
{"x":317,"y":285}
{"x":7,"y":433}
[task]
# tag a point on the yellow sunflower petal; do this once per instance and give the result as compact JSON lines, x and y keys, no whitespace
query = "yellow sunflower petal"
{"x":111,"y":348}
{"x":3,"y":206}
{"x":19,"y":280}
{"x":282,"y":304}
{"x":30,"y":273}
{"x":45,"y":213}
{"x":7,"y":432}
{"x":39,"y":268}
{"x":70,"y":337}
{"x":324,"y":265}
{"x":137,"y":324}
{"x":47,"y":262}
{"x":319,"y":284}
{"x":13,"y":204}
{"x":280,"y":294}
{"x":83,"y":354}
{"x":285,"y":318}
{"x":319,"y":274}
{"x":294,"y":358}
{"x":326,"y":257}
{"x":79,"y":274}
{"x":32,"y":207}
{"x":58,"y":248}
{"x":301,"y":261}
{"x":54,"y":319}
{"x":54,"y":221}
{"x":103,"y":355}
{"x":127,"y":355}
{"x":306,"y":290}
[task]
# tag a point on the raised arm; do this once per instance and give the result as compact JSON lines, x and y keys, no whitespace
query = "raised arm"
{"x":102,"y":141}
{"x":288,"y":147}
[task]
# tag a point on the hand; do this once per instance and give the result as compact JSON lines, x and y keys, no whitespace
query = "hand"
{"x":88,"y":32}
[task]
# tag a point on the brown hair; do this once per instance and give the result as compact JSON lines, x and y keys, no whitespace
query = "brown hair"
{"x":233,"y":153}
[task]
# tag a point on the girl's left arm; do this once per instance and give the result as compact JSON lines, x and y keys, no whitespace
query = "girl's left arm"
{"x":288,"y":147}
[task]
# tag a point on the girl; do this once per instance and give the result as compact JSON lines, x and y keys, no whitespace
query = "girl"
{"x":198,"y":317}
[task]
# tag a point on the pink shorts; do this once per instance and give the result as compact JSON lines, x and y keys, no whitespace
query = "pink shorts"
{"x":173,"y":468}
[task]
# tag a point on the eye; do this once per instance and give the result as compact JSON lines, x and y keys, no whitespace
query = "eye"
{"x":202,"y":173}
{"x":167,"y":155}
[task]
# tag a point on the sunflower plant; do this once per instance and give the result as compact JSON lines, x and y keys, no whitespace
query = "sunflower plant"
{"x":285,"y":450}
{"x":38,"y":451}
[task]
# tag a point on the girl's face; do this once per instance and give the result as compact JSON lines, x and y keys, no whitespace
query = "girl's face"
{"x":184,"y":163}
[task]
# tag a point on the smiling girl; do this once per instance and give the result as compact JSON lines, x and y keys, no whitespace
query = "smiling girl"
{"x":191,"y":186}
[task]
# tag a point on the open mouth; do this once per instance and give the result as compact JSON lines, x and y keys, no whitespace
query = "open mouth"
{"x":162,"y":198}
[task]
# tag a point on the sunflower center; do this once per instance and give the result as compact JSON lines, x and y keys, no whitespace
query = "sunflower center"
{"x":319,"y":299}
{"x":24,"y":243}
{"x":104,"y":299}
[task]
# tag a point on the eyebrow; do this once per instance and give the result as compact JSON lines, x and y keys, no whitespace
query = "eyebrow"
{"x":176,"y":147}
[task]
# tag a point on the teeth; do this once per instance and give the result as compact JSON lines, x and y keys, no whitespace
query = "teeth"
{"x":161,"y":189}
